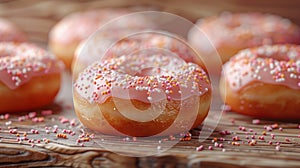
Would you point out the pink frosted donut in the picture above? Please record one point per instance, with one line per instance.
(231, 32)
(137, 43)
(125, 93)
(264, 82)
(10, 32)
(66, 35)
(29, 77)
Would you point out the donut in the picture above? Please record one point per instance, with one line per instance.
(66, 35)
(128, 45)
(142, 95)
(10, 32)
(230, 32)
(29, 77)
(264, 82)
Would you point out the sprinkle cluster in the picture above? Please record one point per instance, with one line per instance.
(239, 136)
(20, 62)
(147, 78)
(67, 129)
(277, 64)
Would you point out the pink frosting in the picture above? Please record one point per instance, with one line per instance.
(277, 64)
(148, 78)
(21, 62)
(79, 26)
(244, 30)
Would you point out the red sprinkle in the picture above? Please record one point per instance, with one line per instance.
(275, 126)
(64, 120)
(226, 132)
(236, 138)
(72, 122)
(261, 137)
(46, 112)
(268, 128)
(200, 148)
(256, 121)
(32, 114)
(272, 136)
(242, 128)
(6, 116)
(38, 119)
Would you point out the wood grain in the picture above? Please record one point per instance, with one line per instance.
(37, 17)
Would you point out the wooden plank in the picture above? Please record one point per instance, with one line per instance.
(42, 15)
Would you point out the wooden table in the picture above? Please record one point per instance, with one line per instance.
(46, 149)
(232, 133)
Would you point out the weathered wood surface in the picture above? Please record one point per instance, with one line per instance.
(96, 152)
(37, 17)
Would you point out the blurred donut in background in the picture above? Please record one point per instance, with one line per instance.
(145, 42)
(231, 32)
(264, 82)
(67, 34)
(10, 32)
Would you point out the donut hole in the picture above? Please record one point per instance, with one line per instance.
(148, 72)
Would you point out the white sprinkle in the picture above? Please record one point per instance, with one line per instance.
(293, 76)
(8, 123)
(200, 148)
